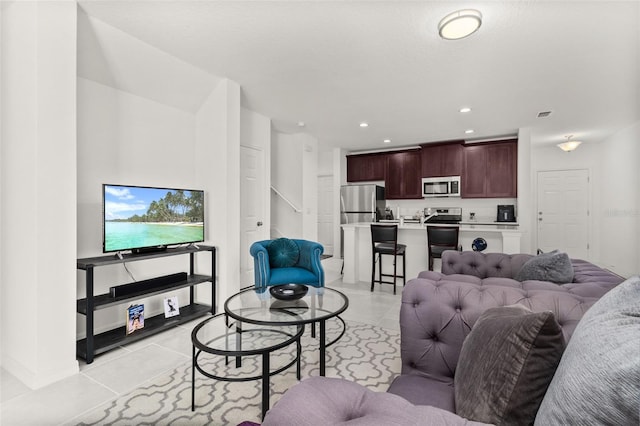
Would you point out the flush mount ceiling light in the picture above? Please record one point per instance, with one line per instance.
(460, 24)
(364, 124)
(387, 141)
(569, 145)
(465, 109)
(469, 131)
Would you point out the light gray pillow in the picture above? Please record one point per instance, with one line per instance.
(598, 379)
(554, 267)
(506, 364)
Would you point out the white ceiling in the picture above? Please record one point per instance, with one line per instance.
(333, 64)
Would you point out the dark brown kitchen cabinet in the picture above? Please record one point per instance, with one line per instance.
(442, 159)
(403, 179)
(366, 167)
(490, 170)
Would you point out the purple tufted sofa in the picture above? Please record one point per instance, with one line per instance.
(438, 311)
(439, 308)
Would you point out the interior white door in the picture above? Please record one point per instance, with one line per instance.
(252, 208)
(563, 212)
(325, 213)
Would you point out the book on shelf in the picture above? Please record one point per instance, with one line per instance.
(171, 306)
(135, 318)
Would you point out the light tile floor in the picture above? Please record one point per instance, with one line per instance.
(123, 369)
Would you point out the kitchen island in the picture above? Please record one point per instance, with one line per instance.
(500, 238)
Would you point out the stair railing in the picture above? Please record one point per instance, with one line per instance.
(286, 200)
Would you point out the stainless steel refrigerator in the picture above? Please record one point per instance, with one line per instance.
(360, 203)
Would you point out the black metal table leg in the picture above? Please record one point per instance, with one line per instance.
(238, 343)
(193, 378)
(265, 384)
(298, 364)
(323, 347)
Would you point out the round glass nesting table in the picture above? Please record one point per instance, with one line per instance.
(219, 336)
(258, 306)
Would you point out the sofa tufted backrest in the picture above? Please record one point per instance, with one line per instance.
(437, 314)
(483, 265)
(488, 265)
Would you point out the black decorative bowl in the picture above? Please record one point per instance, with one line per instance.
(288, 291)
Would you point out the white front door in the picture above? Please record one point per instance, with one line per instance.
(563, 212)
(252, 209)
(325, 213)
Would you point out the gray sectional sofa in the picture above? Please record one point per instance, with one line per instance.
(439, 311)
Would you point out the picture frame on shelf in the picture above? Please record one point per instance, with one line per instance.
(171, 306)
(135, 318)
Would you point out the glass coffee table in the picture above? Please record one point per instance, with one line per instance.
(258, 306)
(219, 336)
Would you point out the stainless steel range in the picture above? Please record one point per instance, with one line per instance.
(443, 215)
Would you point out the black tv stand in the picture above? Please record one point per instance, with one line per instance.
(92, 345)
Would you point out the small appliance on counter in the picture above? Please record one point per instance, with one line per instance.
(388, 214)
(506, 213)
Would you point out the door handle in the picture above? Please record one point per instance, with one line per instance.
(259, 223)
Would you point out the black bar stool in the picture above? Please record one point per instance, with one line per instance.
(384, 240)
(439, 239)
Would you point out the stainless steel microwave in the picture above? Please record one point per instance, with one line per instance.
(448, 186)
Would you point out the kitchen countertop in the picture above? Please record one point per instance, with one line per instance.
(477, 222)
(464, 226)
(357, 245)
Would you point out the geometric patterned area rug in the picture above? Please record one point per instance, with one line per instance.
(366, 354)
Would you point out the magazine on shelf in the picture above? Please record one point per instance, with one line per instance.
(171, 306)
(135, 318)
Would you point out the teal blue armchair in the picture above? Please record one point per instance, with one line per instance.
(305, 268)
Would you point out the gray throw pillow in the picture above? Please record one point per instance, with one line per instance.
(506, 364)
(598, 379)
(554, 267)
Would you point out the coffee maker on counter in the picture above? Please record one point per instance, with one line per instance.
(506, 213)
(388, 214)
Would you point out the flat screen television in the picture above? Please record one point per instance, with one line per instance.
(140, 218)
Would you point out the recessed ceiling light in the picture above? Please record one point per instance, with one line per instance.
(387, 141)
(465, 109)
(460, 24)
(363, 124)
(469, 131)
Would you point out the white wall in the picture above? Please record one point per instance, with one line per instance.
(551, 157)
(51, 185)
(525, 205)
(286, 170)
(310, 185)
(217, 165)
(129, 140)
(294, 173)
(38, 190)
(614, 228)
(619, 206)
